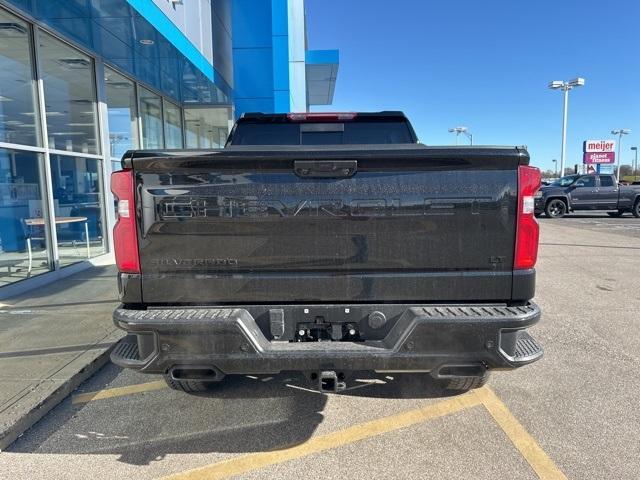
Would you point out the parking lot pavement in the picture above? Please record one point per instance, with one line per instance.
(571, 414)
(626, 225)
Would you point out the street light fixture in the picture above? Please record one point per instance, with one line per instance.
(565, 87)
(459, 130)
(620, 132)
(635, 165)
(555, 167)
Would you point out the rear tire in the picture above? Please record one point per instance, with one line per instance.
(636, 209)
(556, 208)
(466, 383)
(189, 386)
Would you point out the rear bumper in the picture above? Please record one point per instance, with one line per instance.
(425, 338)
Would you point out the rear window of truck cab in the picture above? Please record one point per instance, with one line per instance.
(322, 133)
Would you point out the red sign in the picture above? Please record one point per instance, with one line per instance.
(599, 157)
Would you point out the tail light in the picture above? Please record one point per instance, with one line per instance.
(527, 228)
(125, 238)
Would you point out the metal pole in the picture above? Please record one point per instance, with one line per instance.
(619, 155)
(564, 128)
(635, 166)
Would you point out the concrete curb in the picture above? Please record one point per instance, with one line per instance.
(11, 431)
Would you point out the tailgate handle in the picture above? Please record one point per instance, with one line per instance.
(325, 168)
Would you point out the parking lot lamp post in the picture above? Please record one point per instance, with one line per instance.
(555, 167)
(620, 132)
(459, 130)
(635, 164)
(565, 87)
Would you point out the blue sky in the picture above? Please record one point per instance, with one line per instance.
(486, 64)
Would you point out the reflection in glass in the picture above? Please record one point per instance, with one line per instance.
(121, 105)
(23, 244)
(172, 125)
(151, 119)
(69, 93)
(206, 127)
(77, 194)
(19, 121)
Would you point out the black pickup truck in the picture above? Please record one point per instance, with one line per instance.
(587, 192)
(326, 244)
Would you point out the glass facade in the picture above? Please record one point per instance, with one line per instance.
(66, 119)
(151, 119)
(70, 98)
(206, 127)
(23, 237)
(172, 125)
(18, 98)
(78, 203)
(122, 113)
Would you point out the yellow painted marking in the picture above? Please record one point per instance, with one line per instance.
(240, 465)
(525, 443)
(118, 392)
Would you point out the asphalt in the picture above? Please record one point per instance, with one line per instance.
(572, 414)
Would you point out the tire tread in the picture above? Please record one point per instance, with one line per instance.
(467, 383)
(188, 386)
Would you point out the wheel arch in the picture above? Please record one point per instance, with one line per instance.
(564, 198)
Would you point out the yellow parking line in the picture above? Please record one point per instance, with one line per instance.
(118, 392)
(239, 465)
(525, 443)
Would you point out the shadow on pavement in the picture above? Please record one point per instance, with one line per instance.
(241, 415)
(398, 385)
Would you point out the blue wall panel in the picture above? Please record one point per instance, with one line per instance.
(251, 23)
(261, 56)
(280, 57)
(253, 105)
(253, 70)
(281, 101)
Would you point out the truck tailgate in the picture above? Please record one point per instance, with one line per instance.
(337, 224)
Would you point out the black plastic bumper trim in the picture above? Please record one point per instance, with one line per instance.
(423, 338)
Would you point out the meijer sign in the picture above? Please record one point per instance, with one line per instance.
(599, 146)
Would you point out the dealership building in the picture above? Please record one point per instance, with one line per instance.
(83, 81)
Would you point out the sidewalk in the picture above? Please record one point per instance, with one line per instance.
(51, 340)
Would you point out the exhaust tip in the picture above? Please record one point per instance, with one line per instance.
(204, 373)
(461, 370)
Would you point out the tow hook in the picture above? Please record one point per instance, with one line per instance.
(329, 381)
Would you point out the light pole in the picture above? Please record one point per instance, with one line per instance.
(565, 87)
(555, 167)
(459, 130)
(635, 164)
(620, 132)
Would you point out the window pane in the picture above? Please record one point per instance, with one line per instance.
(23, 245)
(151, 118)
(77, 193)
(69, 93)
(121, 105)
(172, 126)
(19, 121)
(606, 181)
(586, 182)
(206, 127)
